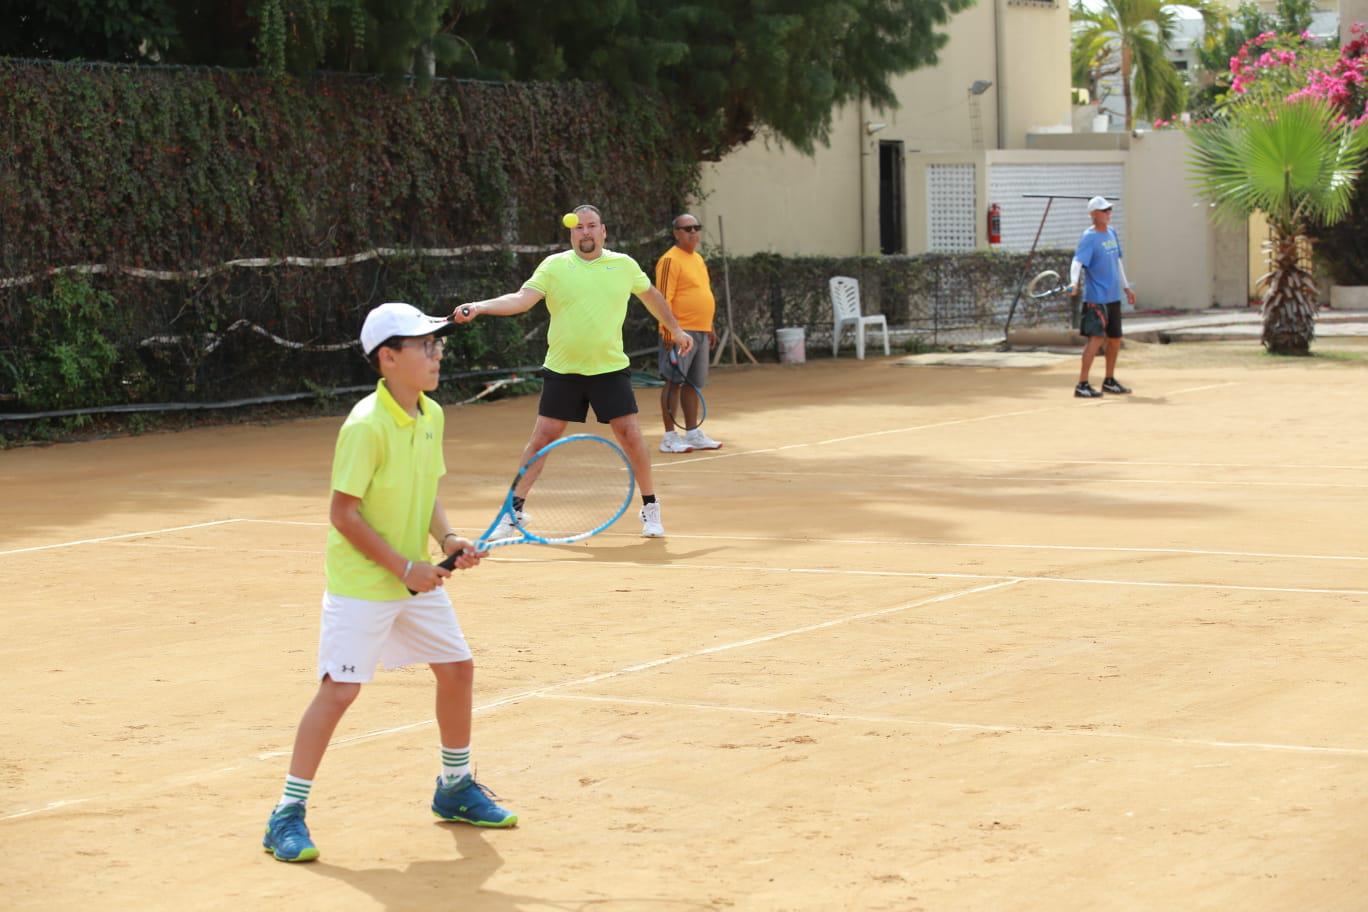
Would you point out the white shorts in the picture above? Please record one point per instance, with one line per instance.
(357, 634)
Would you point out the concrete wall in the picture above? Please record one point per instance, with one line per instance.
(1168, 237)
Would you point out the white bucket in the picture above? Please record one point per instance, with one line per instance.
(792, 349)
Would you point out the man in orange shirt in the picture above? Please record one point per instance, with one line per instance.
(682, 277)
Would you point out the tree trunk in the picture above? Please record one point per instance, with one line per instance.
(1126, 84)
(1289, 300)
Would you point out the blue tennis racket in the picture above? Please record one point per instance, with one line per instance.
(680, 387)
(573, 488)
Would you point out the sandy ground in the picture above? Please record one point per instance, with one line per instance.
(922, 637)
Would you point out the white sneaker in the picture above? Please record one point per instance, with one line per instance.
(507, 528)
(650, 521)
(697, 440)
(673, 443)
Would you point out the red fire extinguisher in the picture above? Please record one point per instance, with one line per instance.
(995, 224)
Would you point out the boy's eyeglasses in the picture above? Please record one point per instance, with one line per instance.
(693, 228)
(431, 347)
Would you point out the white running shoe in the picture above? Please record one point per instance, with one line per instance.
(507, 528)
(673, 443)
(697, 440)
(650, 521)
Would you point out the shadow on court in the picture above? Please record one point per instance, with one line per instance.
(281, 471)
(461, 882)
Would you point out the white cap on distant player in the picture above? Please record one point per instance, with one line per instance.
(1098, 202)
(397, 319)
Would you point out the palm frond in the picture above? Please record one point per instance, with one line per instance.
(1291, 160)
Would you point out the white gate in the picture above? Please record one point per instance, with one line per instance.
(1008, 183)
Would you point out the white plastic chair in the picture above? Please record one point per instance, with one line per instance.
(845, 307)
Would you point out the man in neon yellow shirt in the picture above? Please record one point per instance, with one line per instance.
(586, 290)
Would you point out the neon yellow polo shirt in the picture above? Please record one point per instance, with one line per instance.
(588, 304)
(392, 462)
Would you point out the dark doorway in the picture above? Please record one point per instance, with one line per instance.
(892, 238)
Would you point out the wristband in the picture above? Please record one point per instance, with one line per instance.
(407, 567)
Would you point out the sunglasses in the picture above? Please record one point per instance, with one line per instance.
(693, 228)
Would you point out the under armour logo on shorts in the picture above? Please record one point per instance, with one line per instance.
(349, 669)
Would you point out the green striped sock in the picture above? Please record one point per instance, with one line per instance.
(296, 791)
(455, 762)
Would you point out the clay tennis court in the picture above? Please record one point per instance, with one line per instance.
(933, 638)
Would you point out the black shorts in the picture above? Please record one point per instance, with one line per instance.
(567, 397)
(1091, 322)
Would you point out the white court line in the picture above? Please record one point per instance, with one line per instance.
(865, 542)
(108, 538)
(670, 660)
(1062, 479)
(924, 574)
(695, 460)
(968, 726)
(1180, 465)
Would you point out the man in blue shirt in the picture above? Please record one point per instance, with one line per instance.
(1099, 253)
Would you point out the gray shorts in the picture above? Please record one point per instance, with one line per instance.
(694, 365)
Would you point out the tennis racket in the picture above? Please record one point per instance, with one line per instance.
(679, 387)
(1047, 285)
(583, 484)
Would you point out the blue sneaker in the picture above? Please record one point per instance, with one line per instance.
(287, 837)
(466, 801)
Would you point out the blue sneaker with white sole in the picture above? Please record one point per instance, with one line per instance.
(287, 836)
(466, 801)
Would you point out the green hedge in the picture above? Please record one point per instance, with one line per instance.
(181, 169)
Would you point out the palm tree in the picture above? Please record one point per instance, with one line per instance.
(1295, 161)
(1131, 38)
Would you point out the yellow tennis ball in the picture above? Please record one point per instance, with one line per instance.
(570, 220)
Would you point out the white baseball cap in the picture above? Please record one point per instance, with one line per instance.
(397, 319)
(1098, 202)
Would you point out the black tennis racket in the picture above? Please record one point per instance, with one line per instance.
(680, 394)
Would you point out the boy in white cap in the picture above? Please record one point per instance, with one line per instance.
(1099, 252)
(384, 600)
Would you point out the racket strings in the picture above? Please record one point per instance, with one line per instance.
(580, 487)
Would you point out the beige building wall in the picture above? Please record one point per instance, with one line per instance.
(1351, 11)
(1034, 43)
(774, 199)
(1168, 236)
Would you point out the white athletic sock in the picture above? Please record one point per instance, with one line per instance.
(296, 791)
(455, 763)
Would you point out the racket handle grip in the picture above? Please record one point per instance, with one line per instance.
(449, 563)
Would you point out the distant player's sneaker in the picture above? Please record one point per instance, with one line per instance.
(650, 521)
(287, 836)
(1085, 390)
(507, 528)
(697, 440)
(673, 443)
(1110, 385)
(466, 801)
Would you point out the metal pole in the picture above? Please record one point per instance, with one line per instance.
(726, 286)
(1026, 270)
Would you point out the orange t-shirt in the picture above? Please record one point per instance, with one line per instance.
(683, 279)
